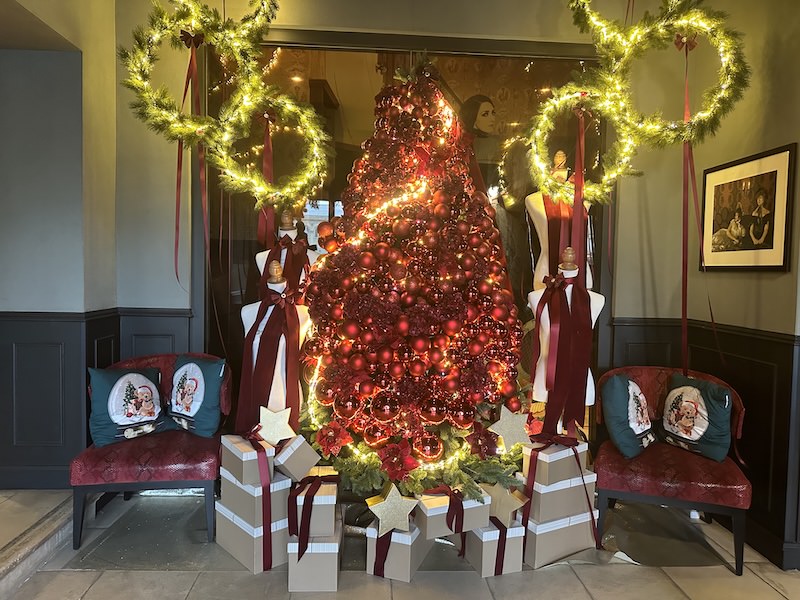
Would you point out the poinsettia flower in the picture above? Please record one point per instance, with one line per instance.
(397, 461)
(332, 437)
(482, 441)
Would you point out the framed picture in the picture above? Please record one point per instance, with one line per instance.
(747, 212)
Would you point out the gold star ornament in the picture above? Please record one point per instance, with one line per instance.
(504, 502)
(511, 428)
(392, 509)
(275, 425)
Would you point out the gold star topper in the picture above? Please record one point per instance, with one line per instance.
(392, 509)
(275, 425)
(504, 502)
(511, 427)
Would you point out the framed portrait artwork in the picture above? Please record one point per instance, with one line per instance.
(747, 212)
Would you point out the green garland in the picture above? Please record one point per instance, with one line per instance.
(240, 44)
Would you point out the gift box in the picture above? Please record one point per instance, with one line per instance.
(318, 569)
(483, 545)
(555, 463)
(296, 458)
(407, 550)
(245, 500)
(246, 543)
(561, 499)
(323, 511)
(547, 542)
(430, 515)
(239, 458)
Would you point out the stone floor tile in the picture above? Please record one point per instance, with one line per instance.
(785, 582)
(557, 581)
(66, 585)
(627, 582)
(353, 585)
(720, 583)
(142, 585)
(442, 585)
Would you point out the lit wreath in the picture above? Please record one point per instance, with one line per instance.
(239, 42)
(680, 21)
(611, 104)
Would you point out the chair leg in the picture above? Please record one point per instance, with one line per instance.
(127, 496)
(78, 507)
(739, 526)
(603, 502)
(209, 494)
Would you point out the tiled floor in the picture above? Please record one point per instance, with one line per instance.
(119, 559)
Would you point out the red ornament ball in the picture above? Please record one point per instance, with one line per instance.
(513, 404)
(462, 415)
(385, 407)
(420, 344)
(451, 327)
(347, 406)
(325, 393)
(397, 369)
(324, 229)
(433, 410)
(366, 388)
(367, 260)
(385, 355)
(428, 447)
(375, 436)
(417, 367)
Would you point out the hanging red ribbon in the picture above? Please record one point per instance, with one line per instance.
(311, 485)
(192, 42)
(382, 544)
(455, 507)
(266, 496)
(500, 556)
(266, 216)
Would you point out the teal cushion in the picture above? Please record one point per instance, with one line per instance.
(125, 404)
(194, 402)
(625, 415)
(697, 417)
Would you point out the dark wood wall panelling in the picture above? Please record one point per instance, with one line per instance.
(762, 367)
(43, 381)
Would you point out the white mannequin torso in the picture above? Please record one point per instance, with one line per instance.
(534, 204)
(596, 304)
(277, 395)
(261, 257)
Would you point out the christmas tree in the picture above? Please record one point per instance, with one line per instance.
(129, 400)
(415, 339)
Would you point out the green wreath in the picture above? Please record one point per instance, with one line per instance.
(193, 23)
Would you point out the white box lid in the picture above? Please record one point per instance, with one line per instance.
(548, 526)
(319, 545)
(326, 494)
(279, 482)
(400, 537)
(588, 477)
(437, 504)
(491, 533)
(289, 448)
(554, 452)
(242, 448)
(245, 526)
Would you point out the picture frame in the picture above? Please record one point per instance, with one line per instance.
(747, 212)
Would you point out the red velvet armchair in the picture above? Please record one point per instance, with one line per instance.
(167, 460)
(667, 475)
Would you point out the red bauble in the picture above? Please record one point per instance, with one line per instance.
(417, 367)
(474, 240)
(442, 211)
(397, 271)
(381, 250)
(436, 355)
(325, 393)
(366, 388)
(385, 355)
(475, 347)
(451, 327)
(324, 229)
(433, 410)
(508, 388)
(357, 362)
(485, 287)
(402, 325)
(513, 404)
(336, 312)
(499, 313)
(404, 352)
(367, 337)
(366, 260)
(476, 396)
(349, 329)
(493, 367)
(428, 447)
(441, 341)
(401, 228)
(473, 312)
(347, 283)
(462, 227)
(462, 415)
(483, 249)
(385, 407)
(451, 383)
(375, 436)
(420, 344)
(346, 407)
(344, 349)
(467, 261)
(407, 300)
(397, 369)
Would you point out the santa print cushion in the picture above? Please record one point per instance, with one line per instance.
(125, 404)
(194, 402)
(625, 415)
(697, 417)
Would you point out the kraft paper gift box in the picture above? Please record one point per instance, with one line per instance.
(245, 500)
(296, 458)
(406, 552)
(246, 543)
(323, 512)
(547, 542)
(482, 546)
(239, 458)
(561, 499)
(430, 515)
(555, 463)
(318, 569)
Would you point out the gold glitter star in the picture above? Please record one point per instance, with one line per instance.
(392, 509)
(275, 425)
(511, 428)
(504, 502)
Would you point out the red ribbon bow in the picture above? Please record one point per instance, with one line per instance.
(455, 508)
(311, 485)
(555, 299)
(192, 40)
(681, 41)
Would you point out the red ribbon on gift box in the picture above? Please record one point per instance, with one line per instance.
(549, 440)
(266, 498)
(500, 557)
(455, 512)
(311, 485)
(382, 545)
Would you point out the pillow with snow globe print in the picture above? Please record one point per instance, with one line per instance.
(626, 417)
(125, 404)
(194, 402)
(697, 417)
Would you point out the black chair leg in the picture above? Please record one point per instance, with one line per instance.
(739, 526)
(603, 502)
(78, 506)
(209, 494)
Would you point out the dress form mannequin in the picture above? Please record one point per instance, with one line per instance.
(287, 227)
(276, 399)
(560, 172)
(596, 302)
(538, 213)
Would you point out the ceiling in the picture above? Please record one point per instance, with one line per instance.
(21, 30)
